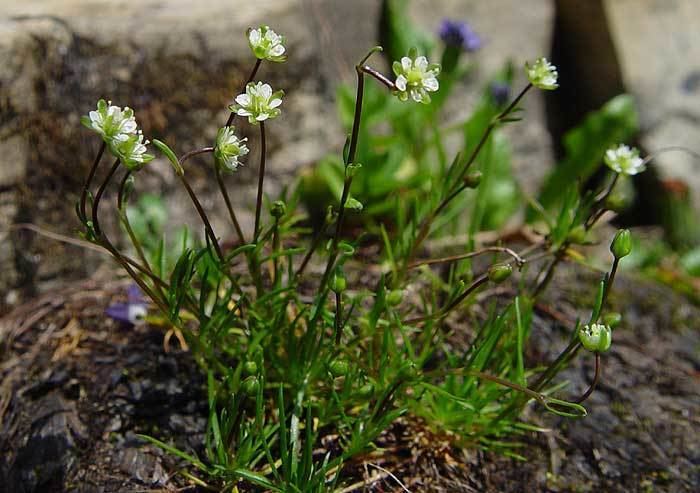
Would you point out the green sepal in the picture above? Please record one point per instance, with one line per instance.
(163, 147)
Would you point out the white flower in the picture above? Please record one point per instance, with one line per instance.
(267, 44)
(415, 78)
(131, 150)
(229, 148)
(625, 160)
(595, 337)
(110, 121)
(542, 74)
(258, 102)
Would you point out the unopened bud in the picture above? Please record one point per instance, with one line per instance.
(338, 368)
(279, 209)
(394, 297)
(621, 245)
(500, 272)
(250, 385)
(250, 367)
(338, 283)
(472, 180)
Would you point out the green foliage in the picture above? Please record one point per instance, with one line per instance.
(305, 367)
(616, 121)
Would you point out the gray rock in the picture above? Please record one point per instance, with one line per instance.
(179, 64)
(51, 448)
(658, 43)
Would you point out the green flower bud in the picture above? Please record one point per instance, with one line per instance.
(279, 209)
(595, 337)
(338, 368)
(408, 372)
(338, 283)
(250, 385)
(500, 272)
(621, 245)
(366, 391)
(250, 367)
(394, 297)
(472, 180)
(577, 235)
(612, 319)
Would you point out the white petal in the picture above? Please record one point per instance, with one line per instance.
(416, 95)
(431, 84)
(400, 83)
(243, 112)
(275, 103)
(421, 63)
(254, 37)
(262, 117)
(243, 99)
(406, 63)
(277, 50)
(266, 91)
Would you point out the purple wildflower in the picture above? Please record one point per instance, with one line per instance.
(500, 92)
(459, 35)
(130, 312)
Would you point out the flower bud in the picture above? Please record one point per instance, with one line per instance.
(472, 180)
(408, 371)
(250, 367)
(621, 245)
(338, 283)
(499, 272)
(338, 368)
(366, 391)
(279, 209)
(250, 385)
(394, 297)
(595, 337)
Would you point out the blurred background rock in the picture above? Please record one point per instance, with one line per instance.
(178, 63)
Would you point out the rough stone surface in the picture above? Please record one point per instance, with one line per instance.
(178, 64)
(659, 50)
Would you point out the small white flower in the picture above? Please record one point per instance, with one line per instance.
(229, 148)
(415, 77)
(258, 102)
(542, 74)
(266, 44)
(131, 150)
(624, 160)
(110, 121)
(595, 337)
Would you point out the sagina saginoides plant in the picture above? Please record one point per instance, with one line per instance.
(307, 367)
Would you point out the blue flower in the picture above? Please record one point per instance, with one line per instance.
(459, 35)
(130, 312)
(500, 92)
